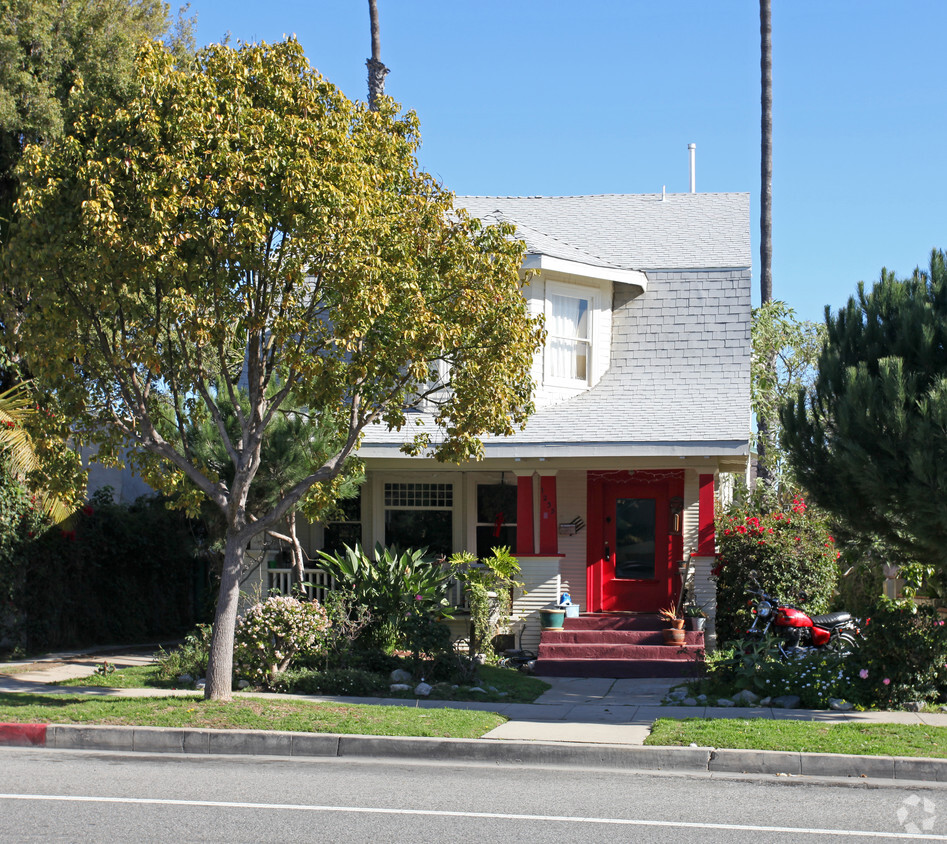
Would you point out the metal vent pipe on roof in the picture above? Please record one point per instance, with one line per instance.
(692, 148)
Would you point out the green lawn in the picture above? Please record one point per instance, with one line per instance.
(249, 714)
(511, 686)
(803, 736)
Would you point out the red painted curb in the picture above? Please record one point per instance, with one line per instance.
(23, 735)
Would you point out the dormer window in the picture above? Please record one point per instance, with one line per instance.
(569, 339)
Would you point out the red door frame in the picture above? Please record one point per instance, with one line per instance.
(665, 485)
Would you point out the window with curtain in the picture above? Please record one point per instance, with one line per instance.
(569, 343)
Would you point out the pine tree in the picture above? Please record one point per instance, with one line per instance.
(869, 439)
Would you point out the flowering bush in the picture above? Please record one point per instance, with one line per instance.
(903, 656)
(758, 666)
(273, 633)
(791, 552)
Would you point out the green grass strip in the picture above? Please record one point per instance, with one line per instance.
(862, 739)
(248, 714)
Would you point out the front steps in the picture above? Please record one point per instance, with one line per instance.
(617, 645)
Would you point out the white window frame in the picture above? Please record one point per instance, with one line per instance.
(572, 291)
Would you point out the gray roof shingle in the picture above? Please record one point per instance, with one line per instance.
(629, 231)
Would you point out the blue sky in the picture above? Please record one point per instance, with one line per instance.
(527, 97)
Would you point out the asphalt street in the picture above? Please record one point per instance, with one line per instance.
(91, 796)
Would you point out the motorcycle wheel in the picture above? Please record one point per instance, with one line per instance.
(843, 643)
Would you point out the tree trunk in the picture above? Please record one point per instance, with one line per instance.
(376, 70)
(219, 685)
(299, 558)
(766, 152)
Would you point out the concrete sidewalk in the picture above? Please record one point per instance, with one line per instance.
(614, 716)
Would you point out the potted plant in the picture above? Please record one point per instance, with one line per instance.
(673, 635)
(696, 617)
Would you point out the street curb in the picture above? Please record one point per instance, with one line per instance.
(22, 735)
(495, 751)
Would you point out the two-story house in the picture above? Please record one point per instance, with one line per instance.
(643, 402)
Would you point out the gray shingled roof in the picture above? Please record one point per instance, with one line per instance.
(630, 231)
(679, 377)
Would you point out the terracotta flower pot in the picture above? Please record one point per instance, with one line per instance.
(673, 636)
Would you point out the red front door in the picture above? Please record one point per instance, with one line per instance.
(633, 569)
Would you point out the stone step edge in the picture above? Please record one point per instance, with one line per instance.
(258, 743)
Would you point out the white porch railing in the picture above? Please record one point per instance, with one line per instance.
(316, 582)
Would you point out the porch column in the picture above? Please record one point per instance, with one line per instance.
(549, 514)
(705, 535)
(524, 513)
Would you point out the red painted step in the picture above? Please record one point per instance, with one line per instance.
(617, 645)
(614, 637)
(593, 651)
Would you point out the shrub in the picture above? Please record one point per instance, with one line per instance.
(903, 656)
(489, 584)
(346, 621)
(791, 553)
(191, 657)
(351, 682)
(394, 586)
(272, 633)
(757, 665)
(113, 573)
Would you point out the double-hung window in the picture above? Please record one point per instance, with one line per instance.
(569, 335)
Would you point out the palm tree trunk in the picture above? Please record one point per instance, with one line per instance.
(766, 152)
(376, 70)
(766, 201)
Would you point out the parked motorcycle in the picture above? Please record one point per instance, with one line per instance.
(798, 632)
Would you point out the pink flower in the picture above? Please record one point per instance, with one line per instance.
(863, 674)
(886, 681)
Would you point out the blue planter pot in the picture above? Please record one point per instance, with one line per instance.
(552, 619)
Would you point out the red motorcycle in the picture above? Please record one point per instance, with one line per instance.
(800, 633)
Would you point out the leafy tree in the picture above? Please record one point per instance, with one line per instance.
(869, 438)
(57, 57)
(294, 442)
(239, 222)
(785, 351)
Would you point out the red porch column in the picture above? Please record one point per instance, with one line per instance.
(524, 514)
(549, 515)
(705, 534)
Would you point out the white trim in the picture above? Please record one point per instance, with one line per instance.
(635, 278)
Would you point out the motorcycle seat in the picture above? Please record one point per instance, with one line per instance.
(832, 619)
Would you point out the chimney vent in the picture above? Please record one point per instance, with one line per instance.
(692, 148)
